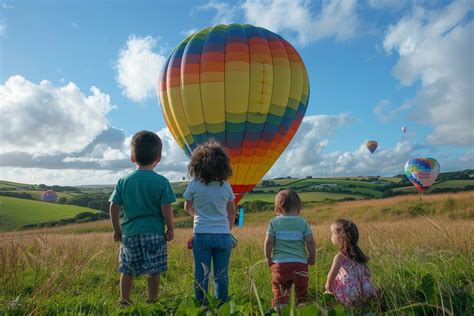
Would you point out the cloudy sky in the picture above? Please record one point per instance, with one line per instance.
(78, 78)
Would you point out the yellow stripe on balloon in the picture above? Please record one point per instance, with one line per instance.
(212, 95)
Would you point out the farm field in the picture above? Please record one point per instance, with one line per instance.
(38, 195)
(7, 185)
(305, 196)
(15, 213)
(421, 251)
(453, 184)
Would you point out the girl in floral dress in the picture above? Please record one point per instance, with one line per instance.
(349, 279)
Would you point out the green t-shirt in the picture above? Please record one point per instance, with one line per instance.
(289, 233)
(142, 193)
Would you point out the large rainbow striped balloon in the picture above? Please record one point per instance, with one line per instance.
(242, 85)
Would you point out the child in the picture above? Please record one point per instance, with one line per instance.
(285, 250)
(349, 279)
(209, 198)
(146, 198)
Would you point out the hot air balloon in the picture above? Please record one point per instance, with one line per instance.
(371, 145)
(241, 85)
(404, 129)
(49, 196)
(422, 172)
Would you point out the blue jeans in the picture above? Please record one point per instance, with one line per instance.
(215, 248)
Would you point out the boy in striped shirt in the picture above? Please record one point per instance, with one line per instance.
(289, 248)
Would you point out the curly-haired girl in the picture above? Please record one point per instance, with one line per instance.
(209, 198)
(349, 279)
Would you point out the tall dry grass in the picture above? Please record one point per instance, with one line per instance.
(72, 270)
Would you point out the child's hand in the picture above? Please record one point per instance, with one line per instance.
(328, 292)
(311, 261)
(117, 235)
(269, 262)
(169, 235)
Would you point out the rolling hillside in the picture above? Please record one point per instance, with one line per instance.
(14, 213)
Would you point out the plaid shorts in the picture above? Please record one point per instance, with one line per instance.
(143, 254)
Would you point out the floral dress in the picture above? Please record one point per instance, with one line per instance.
(353, 284)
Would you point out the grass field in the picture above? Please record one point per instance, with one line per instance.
(38, 195)
(7, 185)
(305, 196)
(15, 213)
(422, 265)
(453, 184)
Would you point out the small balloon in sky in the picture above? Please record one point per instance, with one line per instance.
(49, 196)
(371, 145)
(422, 172)
(404, 129)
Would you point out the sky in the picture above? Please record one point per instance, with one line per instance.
(78, 79)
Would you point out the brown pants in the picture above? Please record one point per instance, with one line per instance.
(283, 276)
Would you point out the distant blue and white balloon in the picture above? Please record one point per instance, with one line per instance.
(422, 172)
(49, 196)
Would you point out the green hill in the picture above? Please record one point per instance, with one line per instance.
(14, 213)
(8, 185)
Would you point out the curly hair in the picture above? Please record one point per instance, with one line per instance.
(209, 162)
(348, 235)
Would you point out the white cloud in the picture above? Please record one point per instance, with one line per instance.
(307, 153)
(3, 28)
(225, 12)
(138, 68)
(436, 48)
(60, 176)
(308, 144)
(45, 120)
(101, 161)
(337, 18)
(393, 5)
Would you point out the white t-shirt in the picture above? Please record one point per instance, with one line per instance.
(210, 206)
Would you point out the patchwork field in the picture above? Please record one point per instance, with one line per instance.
(305, 196)
(421, 249)
(14, 213)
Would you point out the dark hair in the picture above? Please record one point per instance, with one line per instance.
(209, 162)
(348, 235)
(288, 200)
(146, 146)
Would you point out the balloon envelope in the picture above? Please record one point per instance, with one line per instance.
(422, 172)
(243, 86)
(49, 196)
(371, 145)
(404, 129)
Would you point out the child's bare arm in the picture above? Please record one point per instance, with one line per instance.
(188, 207)
(167, 211)
(311, 247)
(336, 265)
(231, 213)
(268, 248)
(114, 212)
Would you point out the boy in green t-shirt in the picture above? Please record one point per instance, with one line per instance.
(146, 198)
(289, 248)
